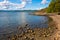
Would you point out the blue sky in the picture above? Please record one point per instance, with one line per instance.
(32, 4)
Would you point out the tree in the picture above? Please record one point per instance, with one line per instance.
(57, 6)
(54, 6)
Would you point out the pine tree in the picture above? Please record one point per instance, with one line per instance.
(57, 6)
(51, 6)
(54, 6)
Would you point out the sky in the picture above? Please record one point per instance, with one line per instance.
(28, 4)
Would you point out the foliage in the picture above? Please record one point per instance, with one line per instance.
(54, 6)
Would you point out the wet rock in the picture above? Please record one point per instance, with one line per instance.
(20, 28)
(26, 25)
(28, 28)
(15, 36)
(8, 36)
(27, 33)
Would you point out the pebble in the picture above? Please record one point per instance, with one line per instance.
(13, 38)
(20, 35)
(28, 28)
(26, 25)
(32, 39)
(25, 37)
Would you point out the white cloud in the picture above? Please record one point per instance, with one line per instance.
(43, 1)
(28, 1)
(6, 5)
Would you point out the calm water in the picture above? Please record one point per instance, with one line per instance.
(10, 20)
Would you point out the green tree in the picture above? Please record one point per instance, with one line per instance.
(57, 6)
(54, 6)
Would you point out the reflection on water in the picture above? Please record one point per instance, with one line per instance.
(22, 17)
(10, 20)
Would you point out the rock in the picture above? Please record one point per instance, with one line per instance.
(48, 35)
(13, 38)
(26, 31)
(26, 38)
(20, 36)
(8, 36)
(28, 28)
(31, 38)
(45, 36)
(56, 28)
(49, 28)
(20, 28)
(26, 25)
(33, 33)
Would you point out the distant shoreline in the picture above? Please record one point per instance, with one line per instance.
(17, 10)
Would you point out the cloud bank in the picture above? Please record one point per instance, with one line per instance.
(6, 5)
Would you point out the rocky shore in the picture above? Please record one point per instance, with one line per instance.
(27, 33)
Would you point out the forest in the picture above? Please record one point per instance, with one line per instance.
(54, 6)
